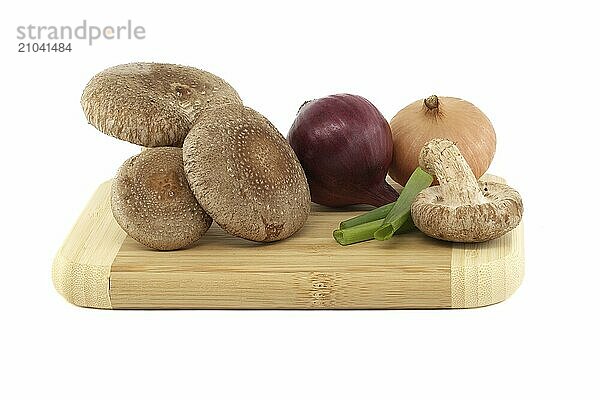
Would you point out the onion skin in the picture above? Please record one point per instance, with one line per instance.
(441, 117)
(345, 147)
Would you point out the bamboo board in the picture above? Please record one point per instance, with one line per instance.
(99, 266)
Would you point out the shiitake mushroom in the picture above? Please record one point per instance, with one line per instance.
(239, 167)
(461, 208)
(245, 174)
(152, 104)
(152, 201)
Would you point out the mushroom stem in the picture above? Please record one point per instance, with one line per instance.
(458, 184)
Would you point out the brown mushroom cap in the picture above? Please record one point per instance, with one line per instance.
(152, 201)
(500, 212)
(461, 209)
(245, 174)
(152, 104)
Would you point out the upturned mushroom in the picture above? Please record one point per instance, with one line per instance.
(245, 174)
(152, 201)
(460, 208)
(152, 104)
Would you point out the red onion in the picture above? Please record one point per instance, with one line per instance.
(345, 147)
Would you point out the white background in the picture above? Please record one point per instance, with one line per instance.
(532, 68)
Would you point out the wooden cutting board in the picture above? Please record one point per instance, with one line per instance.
(100, 266)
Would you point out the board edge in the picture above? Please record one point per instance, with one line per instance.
(81, 267)
(82, 285)
(475, 284)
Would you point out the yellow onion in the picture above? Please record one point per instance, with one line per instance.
(441, 117)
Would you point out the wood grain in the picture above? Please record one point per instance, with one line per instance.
(307, 271)
(487, 273)
(81, 268)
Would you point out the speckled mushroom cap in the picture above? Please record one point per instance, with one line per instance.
(245, 174)
(461, 209)
(152, 201)
(152, 104)
(500, 212)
